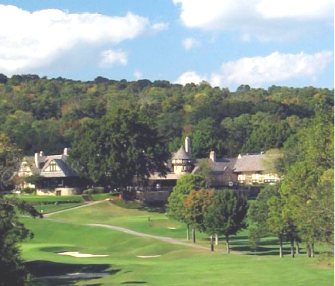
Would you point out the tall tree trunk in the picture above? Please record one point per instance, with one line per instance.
(280, 246)
(188, 232)
(193, 234)
(297, 248)
(227, 242)
(292, 247)
(212, 243)
(312, 250)
(216, 239)
(308, 250)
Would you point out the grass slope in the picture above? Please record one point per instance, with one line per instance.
(178, 265)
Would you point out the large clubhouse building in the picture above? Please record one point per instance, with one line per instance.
(246, 169)
(58, 178)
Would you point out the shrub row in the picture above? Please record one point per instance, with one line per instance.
(56, 202)
(95, 190)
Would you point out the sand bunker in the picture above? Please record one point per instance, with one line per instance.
(78, 254)
(148, 256)
(171, 228)
(74, 276)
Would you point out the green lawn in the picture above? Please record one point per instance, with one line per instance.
(177, 265)
(34, 199)
(50, 208)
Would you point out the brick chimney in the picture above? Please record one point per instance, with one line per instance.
(39, 157)
(37, 161)
(188, 146)
(212, 156)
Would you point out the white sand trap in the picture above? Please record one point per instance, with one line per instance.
(171, 228)
(148, 256)
(78, 254)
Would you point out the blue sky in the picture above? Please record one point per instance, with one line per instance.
(225, 42)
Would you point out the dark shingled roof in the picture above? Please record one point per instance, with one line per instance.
(252, 162)
(60, 160)
(219, 166)
(30, 160)
(181, 154)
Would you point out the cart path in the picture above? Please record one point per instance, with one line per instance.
(70, 209)
(132, 232)
(162, 238)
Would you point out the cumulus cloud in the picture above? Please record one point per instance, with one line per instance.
(190, 43)
(264, 19)
(33, 40)
(160, 27)
(138, 75)
(271, 69)
(190, 77)
(306, 10)
(111, 57)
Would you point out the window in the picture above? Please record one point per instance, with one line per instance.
(52, 166)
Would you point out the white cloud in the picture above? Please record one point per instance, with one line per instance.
(273, 68)
(306, 9)
(111, 57)
(190, 77)
(138, 75)
(264, 19)
(39, 39)
(190, 43)
(160, 27)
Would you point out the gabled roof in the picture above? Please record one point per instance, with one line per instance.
(30, 160)
(252, 163)
(60, 160)
(181, 155)
(219, 166)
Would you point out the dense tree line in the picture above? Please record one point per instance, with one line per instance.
(120, 129)
(301, 208)
(45, 114)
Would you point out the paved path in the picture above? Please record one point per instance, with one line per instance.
(162, 238)
(125, 230)
(70, 209)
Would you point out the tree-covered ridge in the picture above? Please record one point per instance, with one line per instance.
(44, 114)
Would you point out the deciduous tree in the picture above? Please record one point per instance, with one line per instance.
(226, 215)
(176, 201)
(196, 205)
(118, 147)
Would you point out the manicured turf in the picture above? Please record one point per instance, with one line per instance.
(50, 208)
(37, 199)
(178, 265)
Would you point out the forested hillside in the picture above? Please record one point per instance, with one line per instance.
(44, 114)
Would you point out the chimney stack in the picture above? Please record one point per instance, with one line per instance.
(188, 146)
(37, 161)
(212, 156)
(39, 158)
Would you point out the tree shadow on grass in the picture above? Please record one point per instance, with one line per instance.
(59, 249)
(53, 273)
(134, 282)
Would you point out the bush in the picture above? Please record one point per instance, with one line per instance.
(56, 202)
(95, 190)
(29, 190)
(98, 190)
(88, 192)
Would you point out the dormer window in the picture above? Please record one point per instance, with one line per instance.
(52, 166)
